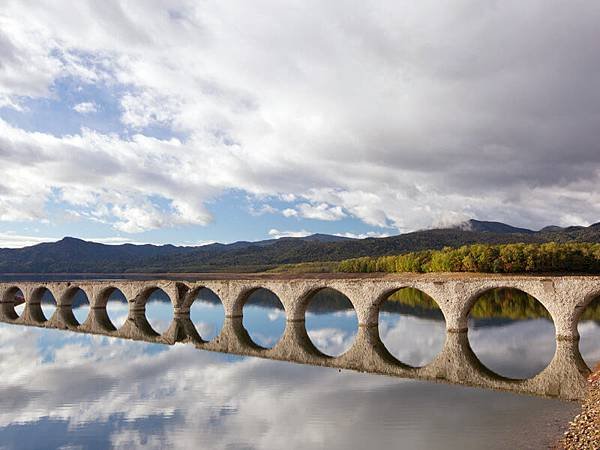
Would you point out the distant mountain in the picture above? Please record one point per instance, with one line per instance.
(71, 255)
(494, 227)
(551, 228)
(318, 237)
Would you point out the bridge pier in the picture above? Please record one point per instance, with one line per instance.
(98, 322)
(369, 354)
(137, 327)
(295, 344)
(182, 329)
(63, 318)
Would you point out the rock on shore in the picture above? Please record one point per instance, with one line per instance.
(584, 430)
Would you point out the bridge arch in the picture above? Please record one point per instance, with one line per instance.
(263, 316)
(74, 305)
(331, 319)
(511, 332)
(476, 294)
(156, 306)
(235, 306)
(302, 300)
(586, 330)
(67, 296)
(10, 301)
(41, 294)
(207, 320)
(580, 307)
(191, 296)
(143, 295)
(411, 325)
(176, 291)
(100, 300)
(100, 307)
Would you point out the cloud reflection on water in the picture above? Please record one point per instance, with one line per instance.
(589, 342)
(412, 340)
(99, 391)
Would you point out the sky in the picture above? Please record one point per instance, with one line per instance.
(191, 122)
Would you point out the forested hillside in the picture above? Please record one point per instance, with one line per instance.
(77, 256)
(506, 258)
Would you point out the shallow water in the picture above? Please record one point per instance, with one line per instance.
(69, 390)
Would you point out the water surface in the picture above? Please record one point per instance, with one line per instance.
(64, 389)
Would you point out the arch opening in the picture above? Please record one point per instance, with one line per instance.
(14, 302)
(588, 328)
(80, 305)
(263, 317)
(47, 302)
(511, 333)
(207, 314)
(117, 308)
(159, 310)
(411, 326)
(331, 322)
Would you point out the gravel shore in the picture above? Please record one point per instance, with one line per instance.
(584, 429)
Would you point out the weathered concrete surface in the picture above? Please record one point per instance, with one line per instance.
(564, 297)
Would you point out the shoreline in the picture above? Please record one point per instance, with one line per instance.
(201, 276)
(584, 429)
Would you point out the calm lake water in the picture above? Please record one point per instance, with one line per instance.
(69, 390)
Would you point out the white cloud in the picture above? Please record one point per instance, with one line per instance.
(118, 240)
(321, 211)
(369, 234)
(314, 105)
(262, 209)
(102, 176)
(14, 240)
(27, 68)
(86, 107)
(287, 197)
(331, 341)
(289, 212)
(274, 233)
(148, 108)
(452, 219)
(203, 243)
(513, 358)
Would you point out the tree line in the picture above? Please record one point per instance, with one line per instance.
(503, 258)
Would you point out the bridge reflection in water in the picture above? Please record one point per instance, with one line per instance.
(563, 297)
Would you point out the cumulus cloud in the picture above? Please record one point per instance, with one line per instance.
(275, 233)
(102, 176)
(15, 240)
(331, 341)
(414, 112)
(86, 107)
(321, 211)
(368, 234)
(289, 212)
(513, 359)
(12, 239)
(147, 108)
(262, 209)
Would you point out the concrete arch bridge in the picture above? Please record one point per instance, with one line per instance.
(565, 298)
